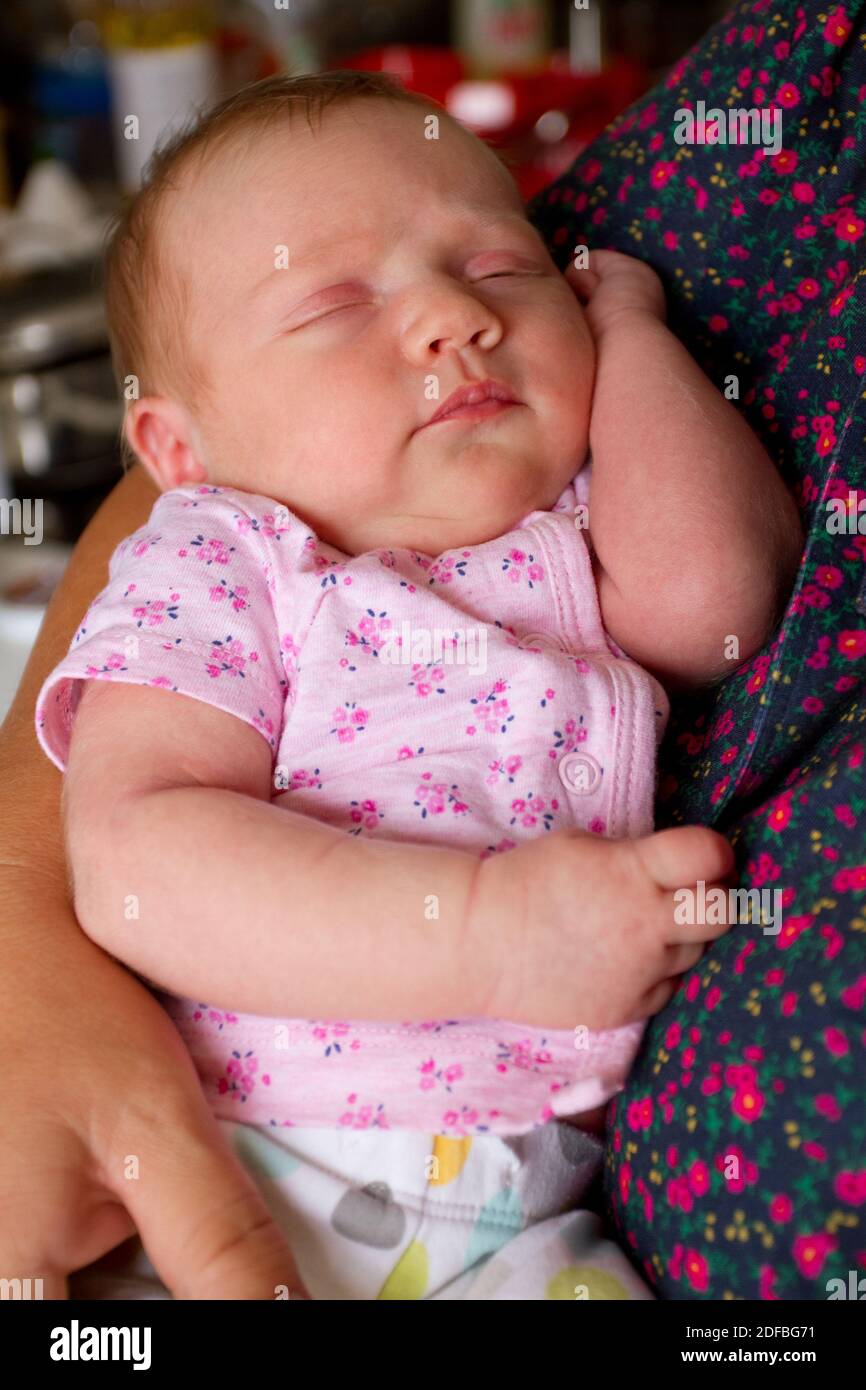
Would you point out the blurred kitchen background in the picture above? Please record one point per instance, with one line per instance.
(537, 78)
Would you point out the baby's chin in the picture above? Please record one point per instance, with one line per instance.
(438, 532)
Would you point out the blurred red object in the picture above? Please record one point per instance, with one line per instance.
(541, 122)
(421, 68)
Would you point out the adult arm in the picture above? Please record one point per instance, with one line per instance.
(95, 1069)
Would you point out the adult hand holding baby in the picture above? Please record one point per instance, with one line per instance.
(96, 1075)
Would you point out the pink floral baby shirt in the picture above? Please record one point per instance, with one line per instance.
(473, 699)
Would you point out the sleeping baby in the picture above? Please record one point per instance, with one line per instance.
(439, 529)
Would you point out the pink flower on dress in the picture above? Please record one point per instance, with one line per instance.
(852, 643)
(811, 1251)
(697, 1271)
(785, 162)
(851, 1187)
(662, 173)
(698, 1178)
(748, 1103)
(838, 27)
(781, 1208)
(835, 1042)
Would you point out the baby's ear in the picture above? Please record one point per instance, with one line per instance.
(166, 441)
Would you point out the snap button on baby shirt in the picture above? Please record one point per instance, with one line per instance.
(541, 639)
(579, 773)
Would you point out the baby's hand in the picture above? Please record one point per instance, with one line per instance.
(615, 285)
(586, 927)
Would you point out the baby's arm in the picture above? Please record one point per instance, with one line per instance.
(184, 870)
(696, 537)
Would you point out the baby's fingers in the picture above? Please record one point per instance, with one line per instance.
(583, 282)
(656, 999)
(679, 959)
(689, 913)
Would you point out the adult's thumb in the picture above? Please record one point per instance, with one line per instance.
(203, 1223)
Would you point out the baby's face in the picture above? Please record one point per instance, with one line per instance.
(409, 270)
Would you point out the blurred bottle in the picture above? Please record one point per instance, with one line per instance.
(586, 38)
(163, 64)
(292, 31)
(67, 92)
(502, 36)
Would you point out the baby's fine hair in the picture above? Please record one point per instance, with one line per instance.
(145, 297)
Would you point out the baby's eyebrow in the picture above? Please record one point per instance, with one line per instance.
(306, 256)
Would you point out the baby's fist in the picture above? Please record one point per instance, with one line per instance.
(614, 286)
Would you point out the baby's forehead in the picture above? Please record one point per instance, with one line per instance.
(350, 158)
(357, 172)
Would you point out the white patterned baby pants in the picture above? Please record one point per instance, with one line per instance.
(379, 1214)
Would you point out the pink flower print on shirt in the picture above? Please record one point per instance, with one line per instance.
(333, 567)
(212, 552)
(205, 490)
(522, 1055)
(153, 611)
(372, 632)
(503, 767)
(573, 733)
(492, 708)
(302, 778)
(466, 1121)
(530, 810)
(521, 566)
(265, 725)
(298, 778)
(364, 815)
(349, 721)
(331, 1033)
(115, 662)
(443, 570)
(502, 848)
(272, 524)
(216, 1017)
(427, 679)
(141, 547)
(289, 652)
(227, 657)
(431, 1075)
(240, 1076)
(365, 1117)
(407, 752)
(433, 797)
(238, 596)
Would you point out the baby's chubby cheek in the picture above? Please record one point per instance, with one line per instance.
(568, 375)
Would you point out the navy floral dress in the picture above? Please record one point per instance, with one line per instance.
(736, 1158)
